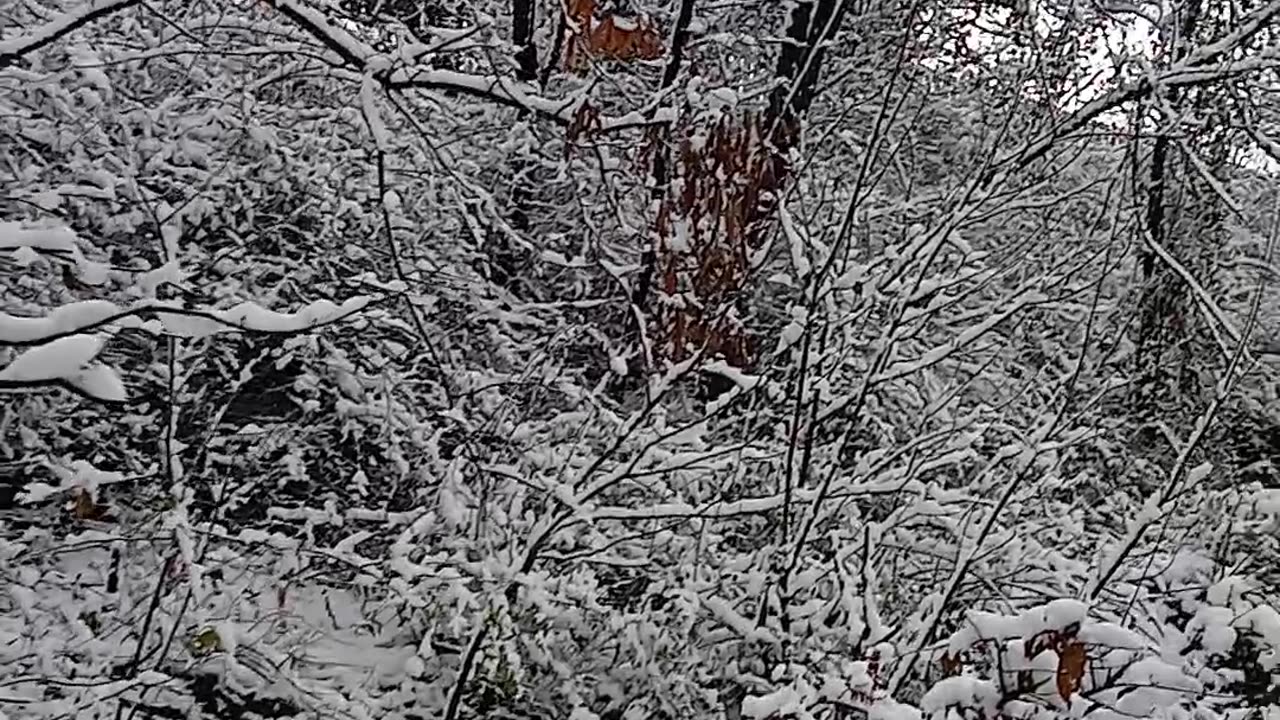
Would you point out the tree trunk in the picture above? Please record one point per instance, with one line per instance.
(522, 22)
(503, 260)
(812, 24)
(1183, 216)
(661, 175)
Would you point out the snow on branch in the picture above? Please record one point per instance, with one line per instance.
(88, 315)
(65, 348)
(353, 52)
(16, 236)
(982, 626)
(356, 54)
(1250, 25)
(966, 338)
(501, 89)
(504, 90)
(12, 49)
(323, 28)
(65, 362)
(1193, 70)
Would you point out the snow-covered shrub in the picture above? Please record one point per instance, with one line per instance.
(325, 391)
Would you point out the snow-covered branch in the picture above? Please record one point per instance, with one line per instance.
(504, 90)
(90, 315)
(1194, 69)
(13, 49)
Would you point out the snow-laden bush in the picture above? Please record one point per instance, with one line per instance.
(325, 394)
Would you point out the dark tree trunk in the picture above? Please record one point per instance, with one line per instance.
(662, 150)
(812, 24)
(791, 60)
(504, 263)
(822, 28)
(1155, 204)
(678, 40)
(1183, 216)
(522, 22)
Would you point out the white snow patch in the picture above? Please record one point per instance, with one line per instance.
(1228, 591)
(101, 382)
(15, 235)
(979, 625)
(888, 709)
(780, 703)
(59, 359)
(961, 692)
(1268, 502)
(1263, 620)
(65, 319)
(88, 314)
(732, 374)
(725, 613)
(1110, 635)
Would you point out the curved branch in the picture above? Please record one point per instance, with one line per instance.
(1192, 70)
(219, 317)
(18, 385)
(356, 54)
(352, 51)
(12, 50)
(504, 90)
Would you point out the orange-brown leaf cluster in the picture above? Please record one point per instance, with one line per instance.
(728, 176)
(611, 37)
(616, 38)
(1073, 656)
(1071, 661)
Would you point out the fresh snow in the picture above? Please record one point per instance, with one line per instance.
(961, 693)
(978, 625)
(58, 359)
(89, 314)
(15, 235)
(484, 494)
(101, 382)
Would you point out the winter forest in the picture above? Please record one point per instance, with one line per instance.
(640, 359)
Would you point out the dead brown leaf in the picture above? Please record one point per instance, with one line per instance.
(1071, 661)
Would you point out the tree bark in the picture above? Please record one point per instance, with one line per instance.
(1155, 203)
(503, 258)
(522, 22)
(661, 175)
(812, 24)
(1183, 216)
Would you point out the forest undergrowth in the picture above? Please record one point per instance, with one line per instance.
(616, 361)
